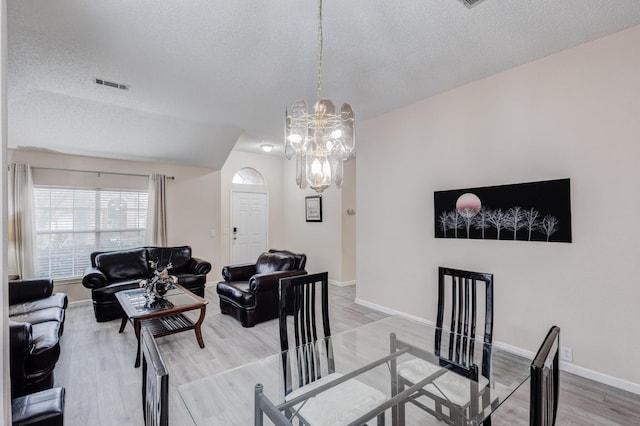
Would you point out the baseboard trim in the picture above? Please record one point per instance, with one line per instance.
(342, 283)
(600, 377)
(564, 366)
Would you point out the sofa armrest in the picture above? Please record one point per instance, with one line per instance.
(199, 266)
(25, 290)
(20, 346)
(238, 272)
(260, 283)
(94, 278)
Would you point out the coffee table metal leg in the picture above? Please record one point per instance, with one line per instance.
(123, 323)
(197, 325)
(136, 327)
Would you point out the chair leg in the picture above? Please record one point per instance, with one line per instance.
(397, 411)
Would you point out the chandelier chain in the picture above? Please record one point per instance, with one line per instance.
(320, 43)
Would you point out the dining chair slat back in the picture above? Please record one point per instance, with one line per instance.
(313, 358)
(545, 381)
(155, 382)
(462, 310)
(463, 297)
(301, 292)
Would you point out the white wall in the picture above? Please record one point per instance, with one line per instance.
(573, 114)
(192, 199)
(320, 241)
(349, 223)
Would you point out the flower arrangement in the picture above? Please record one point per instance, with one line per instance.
(158, 285)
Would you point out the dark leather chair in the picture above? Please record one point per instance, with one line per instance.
(32, 358)
(34, 401)
(249, 292)
(114, 271)
(36, 319)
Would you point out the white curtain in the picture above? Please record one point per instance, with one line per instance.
(21, 222)
(157, 212)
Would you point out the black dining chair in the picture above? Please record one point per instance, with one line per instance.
(545, 381)
(463, 296)
(310, 362)
(155, 382)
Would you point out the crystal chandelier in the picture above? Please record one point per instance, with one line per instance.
(320, 139)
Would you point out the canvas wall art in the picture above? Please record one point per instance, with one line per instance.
(534, 211)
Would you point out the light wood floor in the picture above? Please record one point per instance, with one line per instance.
(103, 387)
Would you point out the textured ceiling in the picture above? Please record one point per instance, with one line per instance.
(208, 75)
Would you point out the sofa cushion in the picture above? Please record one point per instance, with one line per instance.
(41, 315)
(42, 408)
(123, 264)
(56, 300)
(271, 262)
(108, 293)
(178, 256)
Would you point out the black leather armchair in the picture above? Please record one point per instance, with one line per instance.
(34, 401)
(32, 358)
(36, 317)
(113, 271)
(250, 292)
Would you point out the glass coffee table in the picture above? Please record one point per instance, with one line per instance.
(163, 316)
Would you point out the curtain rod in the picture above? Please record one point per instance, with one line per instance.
(93, 171)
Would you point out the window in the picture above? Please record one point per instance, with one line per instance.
(247, 176)
(72, 223)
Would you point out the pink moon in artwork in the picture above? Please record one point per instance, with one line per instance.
(468, 204)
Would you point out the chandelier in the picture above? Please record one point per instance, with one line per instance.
(320, 139)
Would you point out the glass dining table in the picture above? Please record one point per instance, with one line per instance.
(371, 355)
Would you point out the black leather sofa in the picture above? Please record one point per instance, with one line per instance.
(250, 291)
(113, 271)
(36, 318)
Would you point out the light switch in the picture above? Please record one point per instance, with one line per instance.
(212, 233)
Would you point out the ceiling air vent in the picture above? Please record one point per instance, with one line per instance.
(470, 3)
(111, 84)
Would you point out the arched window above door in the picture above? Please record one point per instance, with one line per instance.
(247, 176)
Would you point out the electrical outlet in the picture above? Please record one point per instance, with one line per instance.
(566, 354)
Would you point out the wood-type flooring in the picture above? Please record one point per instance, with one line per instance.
(103, 387)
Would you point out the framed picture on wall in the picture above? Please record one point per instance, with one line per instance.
(313, 208)
(531, 211)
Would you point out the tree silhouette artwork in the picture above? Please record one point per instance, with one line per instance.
(538, 211)
(497, 219)
(549, 226)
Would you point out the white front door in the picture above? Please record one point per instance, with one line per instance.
(249, 224)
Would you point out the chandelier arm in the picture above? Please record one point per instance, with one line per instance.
(320, 43)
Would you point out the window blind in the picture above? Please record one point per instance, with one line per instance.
(72, 223)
